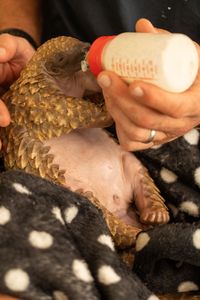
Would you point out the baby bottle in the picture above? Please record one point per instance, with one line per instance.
(169, 61)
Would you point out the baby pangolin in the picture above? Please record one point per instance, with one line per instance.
(57, 114)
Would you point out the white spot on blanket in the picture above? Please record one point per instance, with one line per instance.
(16, 280)
(105, 239)
(168, 176)
(81, 271)
(4, 215)
(57, 213)
(107, 275)
(70, 213)
(192, 137)
(40, 239)
(197, 176)
(190, 207)
(142, 241)
(21, 189)
(196, 238)
(153, 297)
(187, 286)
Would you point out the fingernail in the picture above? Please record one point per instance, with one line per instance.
(137, 92)
(2, 51)
(104, 81)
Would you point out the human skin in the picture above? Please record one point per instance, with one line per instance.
(139, 107)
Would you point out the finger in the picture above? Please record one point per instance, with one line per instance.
(8, 47)
(144, 25)
(175, 105)
(14, 47)
(147, 117)
(130, 130)
(128, 144)
(4, 115)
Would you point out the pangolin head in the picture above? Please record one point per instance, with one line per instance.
(62, 55)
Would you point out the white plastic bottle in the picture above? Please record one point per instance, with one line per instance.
(169, 61)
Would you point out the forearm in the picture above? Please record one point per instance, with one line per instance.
(22, 14)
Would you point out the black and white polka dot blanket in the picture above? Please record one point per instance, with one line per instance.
(54, 244)
(168, 257)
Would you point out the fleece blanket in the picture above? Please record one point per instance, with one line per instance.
(54, 244)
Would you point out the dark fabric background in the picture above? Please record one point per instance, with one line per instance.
(89, 19)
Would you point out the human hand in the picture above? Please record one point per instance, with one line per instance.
(14, 54)
(141, 107)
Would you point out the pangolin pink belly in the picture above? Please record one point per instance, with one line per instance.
(94, 162)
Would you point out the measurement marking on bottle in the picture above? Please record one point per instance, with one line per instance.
(126, 67)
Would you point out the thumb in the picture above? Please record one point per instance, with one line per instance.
(111, 83)
(144, 25)
(8, 47)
